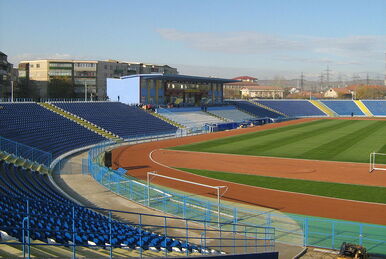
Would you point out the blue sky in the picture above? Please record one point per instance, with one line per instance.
(224, 38)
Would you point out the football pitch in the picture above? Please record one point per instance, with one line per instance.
(324, 139)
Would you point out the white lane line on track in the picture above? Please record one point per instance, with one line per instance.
(263, 188)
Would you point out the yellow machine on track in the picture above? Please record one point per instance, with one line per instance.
(352, 251)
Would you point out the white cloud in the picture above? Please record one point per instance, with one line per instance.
(238, 42)
(349, 50)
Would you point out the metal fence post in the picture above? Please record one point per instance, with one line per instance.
(165, 235)
(184, 208)
(28, 232)
(360, 234)
(333, 235)
(256, 241)
(245, 239)
(235, 215)
(140, 235)
(220, 237)
(305, 227)
(73, 233)
(234, 238)
(187, 236)
(110, 235)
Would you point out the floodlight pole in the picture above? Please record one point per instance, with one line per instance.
(11, 91)
(85, 91)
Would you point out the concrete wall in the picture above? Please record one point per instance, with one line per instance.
(127, 90)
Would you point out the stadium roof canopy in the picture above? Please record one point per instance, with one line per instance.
(183, 78)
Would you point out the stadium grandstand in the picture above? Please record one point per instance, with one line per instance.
(39, 218)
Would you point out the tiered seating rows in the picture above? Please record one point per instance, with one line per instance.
(343, 107)
(50, 216)
(191, 118)
(231, 113)
(123, 120)
(377, 108)
(293, 108)
(255, 110)
(33, 125)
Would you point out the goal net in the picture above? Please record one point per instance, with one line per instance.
(377, 161)
(188, 205)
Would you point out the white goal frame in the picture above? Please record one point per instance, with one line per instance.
(217, 188)
(373, 165)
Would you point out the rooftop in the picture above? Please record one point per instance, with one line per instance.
(245, 78)
(184, 78)
(263, 87)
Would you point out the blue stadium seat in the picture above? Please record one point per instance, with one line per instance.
(343, 107)
(376, 107)
(293, 108)
(231, 113)
(35, 126)
(254, 109)
(118, 118)
(50, 215)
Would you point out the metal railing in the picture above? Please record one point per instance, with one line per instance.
(289, 228)
(73, 237)
(25, 151)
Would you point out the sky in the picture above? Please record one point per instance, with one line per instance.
(223, 38)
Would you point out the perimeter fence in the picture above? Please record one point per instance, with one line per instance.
(290, 229)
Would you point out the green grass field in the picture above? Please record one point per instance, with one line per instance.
(334, 140)
(336, 190)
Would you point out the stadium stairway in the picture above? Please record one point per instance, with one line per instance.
(218, 117)
(155, 114)
(247, 112)
(268, 108)
(81, 121)
(363, 108)
(25, 163)
(323, 108)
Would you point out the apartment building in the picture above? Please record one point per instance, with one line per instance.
(6, 72)
(84, 74)
(143, 68)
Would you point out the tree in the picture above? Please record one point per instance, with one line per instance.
(370, 92)
(26, 89)
(61, 88)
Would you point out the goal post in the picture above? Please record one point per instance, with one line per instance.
(151, 175)
(373, 161)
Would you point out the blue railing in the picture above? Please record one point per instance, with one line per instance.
(25, 151)
(289, 228)
(229, 238)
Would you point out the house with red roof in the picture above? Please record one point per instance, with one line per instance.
(338, 93)
(262, 92)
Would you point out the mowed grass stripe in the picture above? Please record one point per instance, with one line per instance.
(329, 150)
(327, 189)
(235, 140)
(286, 140)
(298, 149)
(336, 140)
(270, 141)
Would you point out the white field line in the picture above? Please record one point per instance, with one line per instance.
(305, 194)
(273, 157)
